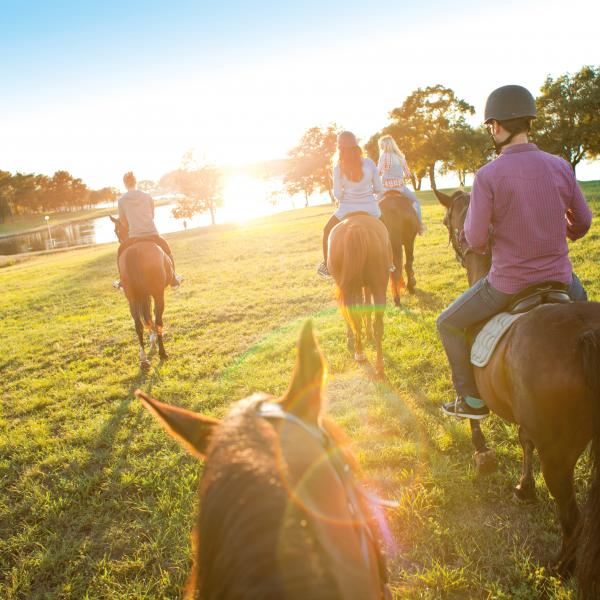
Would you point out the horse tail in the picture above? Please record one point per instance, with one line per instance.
(589, 560)
(351, 277)
(138, 294)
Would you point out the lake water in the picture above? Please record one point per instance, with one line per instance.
(244, 199)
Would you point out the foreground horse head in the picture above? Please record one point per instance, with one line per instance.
(545, 376)
(402, 223)
(359, 260)
(145, 273)
(280, 514)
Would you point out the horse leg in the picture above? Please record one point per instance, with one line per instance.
(485, 459)
(558, 474)
(356, 317)
(525, 489)
(159, 307)
(410, 274)
(379, 308)
(349, 338)
(367, 303)
(396, 275)
(139, 328)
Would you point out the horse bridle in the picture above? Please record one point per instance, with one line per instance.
(454, 236)
(273, 411)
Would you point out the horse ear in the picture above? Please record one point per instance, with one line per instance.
(303, 397)
(113, 219)
(443, 198)
(191, 430)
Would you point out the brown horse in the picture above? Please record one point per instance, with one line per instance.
(402, 224)
(281, 515)
(545, 376)
(145, 272)
(359, 260)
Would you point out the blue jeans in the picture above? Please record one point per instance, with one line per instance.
(481, 301)
(415, 201)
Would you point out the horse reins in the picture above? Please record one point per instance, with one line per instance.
(454, 235)
(274, 411)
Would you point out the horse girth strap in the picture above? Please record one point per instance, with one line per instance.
(349, 579)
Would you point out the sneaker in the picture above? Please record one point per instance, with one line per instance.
(117, 284)
(461, 410)
(177, 279)
(322, 270)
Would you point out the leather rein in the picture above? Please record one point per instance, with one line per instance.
(454, 235)
(273, 411)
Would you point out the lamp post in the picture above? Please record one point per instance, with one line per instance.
(47, 218)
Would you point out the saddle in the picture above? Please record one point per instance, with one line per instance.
(486, 335)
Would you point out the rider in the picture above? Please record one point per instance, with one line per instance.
(136, 211)
(532, 202)
(356, 186)
(393, 170)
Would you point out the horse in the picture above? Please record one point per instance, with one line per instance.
(402, 224)
(359, 260)
(544, 376)
(145, 272)
(281, 513)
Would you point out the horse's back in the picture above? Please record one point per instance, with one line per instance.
(535, 377)
(145, 265)
(399, 217)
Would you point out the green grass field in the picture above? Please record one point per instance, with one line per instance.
(97, 502)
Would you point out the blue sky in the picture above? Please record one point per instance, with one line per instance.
(102, 87)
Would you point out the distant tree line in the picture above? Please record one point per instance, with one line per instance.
(431, 128)
(27, 193)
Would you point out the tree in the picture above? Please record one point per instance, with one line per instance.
(309, 165)
(470, 149)
(6, 193)
(568, 121)
(423, 127)
(201, 187)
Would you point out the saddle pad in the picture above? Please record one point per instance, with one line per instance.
(487, 339)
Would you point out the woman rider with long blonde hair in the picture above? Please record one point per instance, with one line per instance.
(356, 186)
(394, 170)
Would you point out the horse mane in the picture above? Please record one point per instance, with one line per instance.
(262, 546)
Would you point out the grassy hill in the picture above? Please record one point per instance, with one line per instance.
(97, 502)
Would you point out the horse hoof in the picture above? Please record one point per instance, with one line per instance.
(562, 567)
(397, 301)
(360, 357)
(145, 366)
(525, 494)
(163, 356)
(486, 462)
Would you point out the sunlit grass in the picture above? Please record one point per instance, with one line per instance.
(97, 502)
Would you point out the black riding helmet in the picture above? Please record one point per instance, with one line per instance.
(509, 102)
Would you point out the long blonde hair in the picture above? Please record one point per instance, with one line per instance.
(388, 144)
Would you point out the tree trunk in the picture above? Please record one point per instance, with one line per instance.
(331, 195)
(305, 199)
(212, 214)
(419, 182)
(461, 178)
(431, 170)
(414, 181)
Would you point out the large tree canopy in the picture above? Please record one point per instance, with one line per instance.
(309, 164)
(568, 122)
(424, 127)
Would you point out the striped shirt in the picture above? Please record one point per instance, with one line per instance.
(532, 202)
(393, 169)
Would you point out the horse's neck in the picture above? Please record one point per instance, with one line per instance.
(478, 266)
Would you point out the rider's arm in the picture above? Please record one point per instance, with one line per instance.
(122, 216)
(479, 215)
(377, 185)
(338, 190)
(579, 215)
